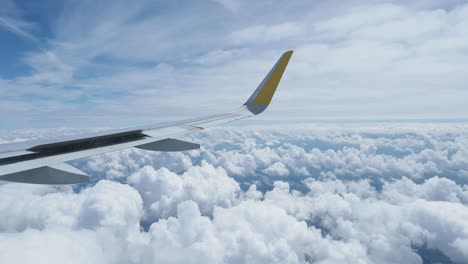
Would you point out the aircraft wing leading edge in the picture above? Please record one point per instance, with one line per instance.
(42, 161)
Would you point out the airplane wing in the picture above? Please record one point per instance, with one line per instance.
(42, 161)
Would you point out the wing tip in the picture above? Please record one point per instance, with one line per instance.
(289, 52)
(263, 95)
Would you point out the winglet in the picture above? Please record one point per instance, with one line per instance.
(262, 96)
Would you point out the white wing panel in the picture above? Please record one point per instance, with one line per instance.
(170, 131)
(47, 157)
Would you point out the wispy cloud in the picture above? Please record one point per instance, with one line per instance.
(11, 19)
(18, 27)
(361, 61)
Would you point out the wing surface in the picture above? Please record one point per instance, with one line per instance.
(42, 161)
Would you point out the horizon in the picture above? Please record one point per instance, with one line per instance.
(361, 156)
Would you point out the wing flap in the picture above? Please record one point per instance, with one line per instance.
(55, 174)
(169, 144)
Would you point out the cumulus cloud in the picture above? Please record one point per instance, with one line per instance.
(117, 165)
(276, 169)
(378, 153)
(44, 224)
(387, 227)
(319, 194)
(163, 190)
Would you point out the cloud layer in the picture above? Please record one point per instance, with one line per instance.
(315, 193)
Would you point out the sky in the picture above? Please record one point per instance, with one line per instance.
(339, 169)
(111, 63)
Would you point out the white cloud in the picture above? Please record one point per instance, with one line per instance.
(276, 169)
(162, 190)
(392, 154)
(52, 246)
(354, 193)
(111, 205)
(379, 58)
(56, 225)
(117, 165)
(433, 189)
(270, 33)
(282, 240)
(387, 228)
(372, 191)
(232, 5)
(11, 20)
(218, 56)
(17, 27)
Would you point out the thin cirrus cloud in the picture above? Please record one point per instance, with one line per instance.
(357, 60)
(330, 193)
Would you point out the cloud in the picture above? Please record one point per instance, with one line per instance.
(347, 198)
(17, 27)
(340, 154)
(45, 206)
(206, 185)
(11, 20)
(111, 205)
(322, 193)
(433, 189)
(118, 165)
(57, 225)
(378, 57)
(232, 5)
(283, 240)
(52, 246)
(277, 169)
(387, 228)
(218, 56)
(270, 33)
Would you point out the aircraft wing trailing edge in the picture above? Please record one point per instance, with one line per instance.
(43, 161)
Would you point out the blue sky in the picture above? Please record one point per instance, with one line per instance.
(111, 63)
(331, 193)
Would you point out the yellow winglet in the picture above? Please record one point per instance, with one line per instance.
(262, 96)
